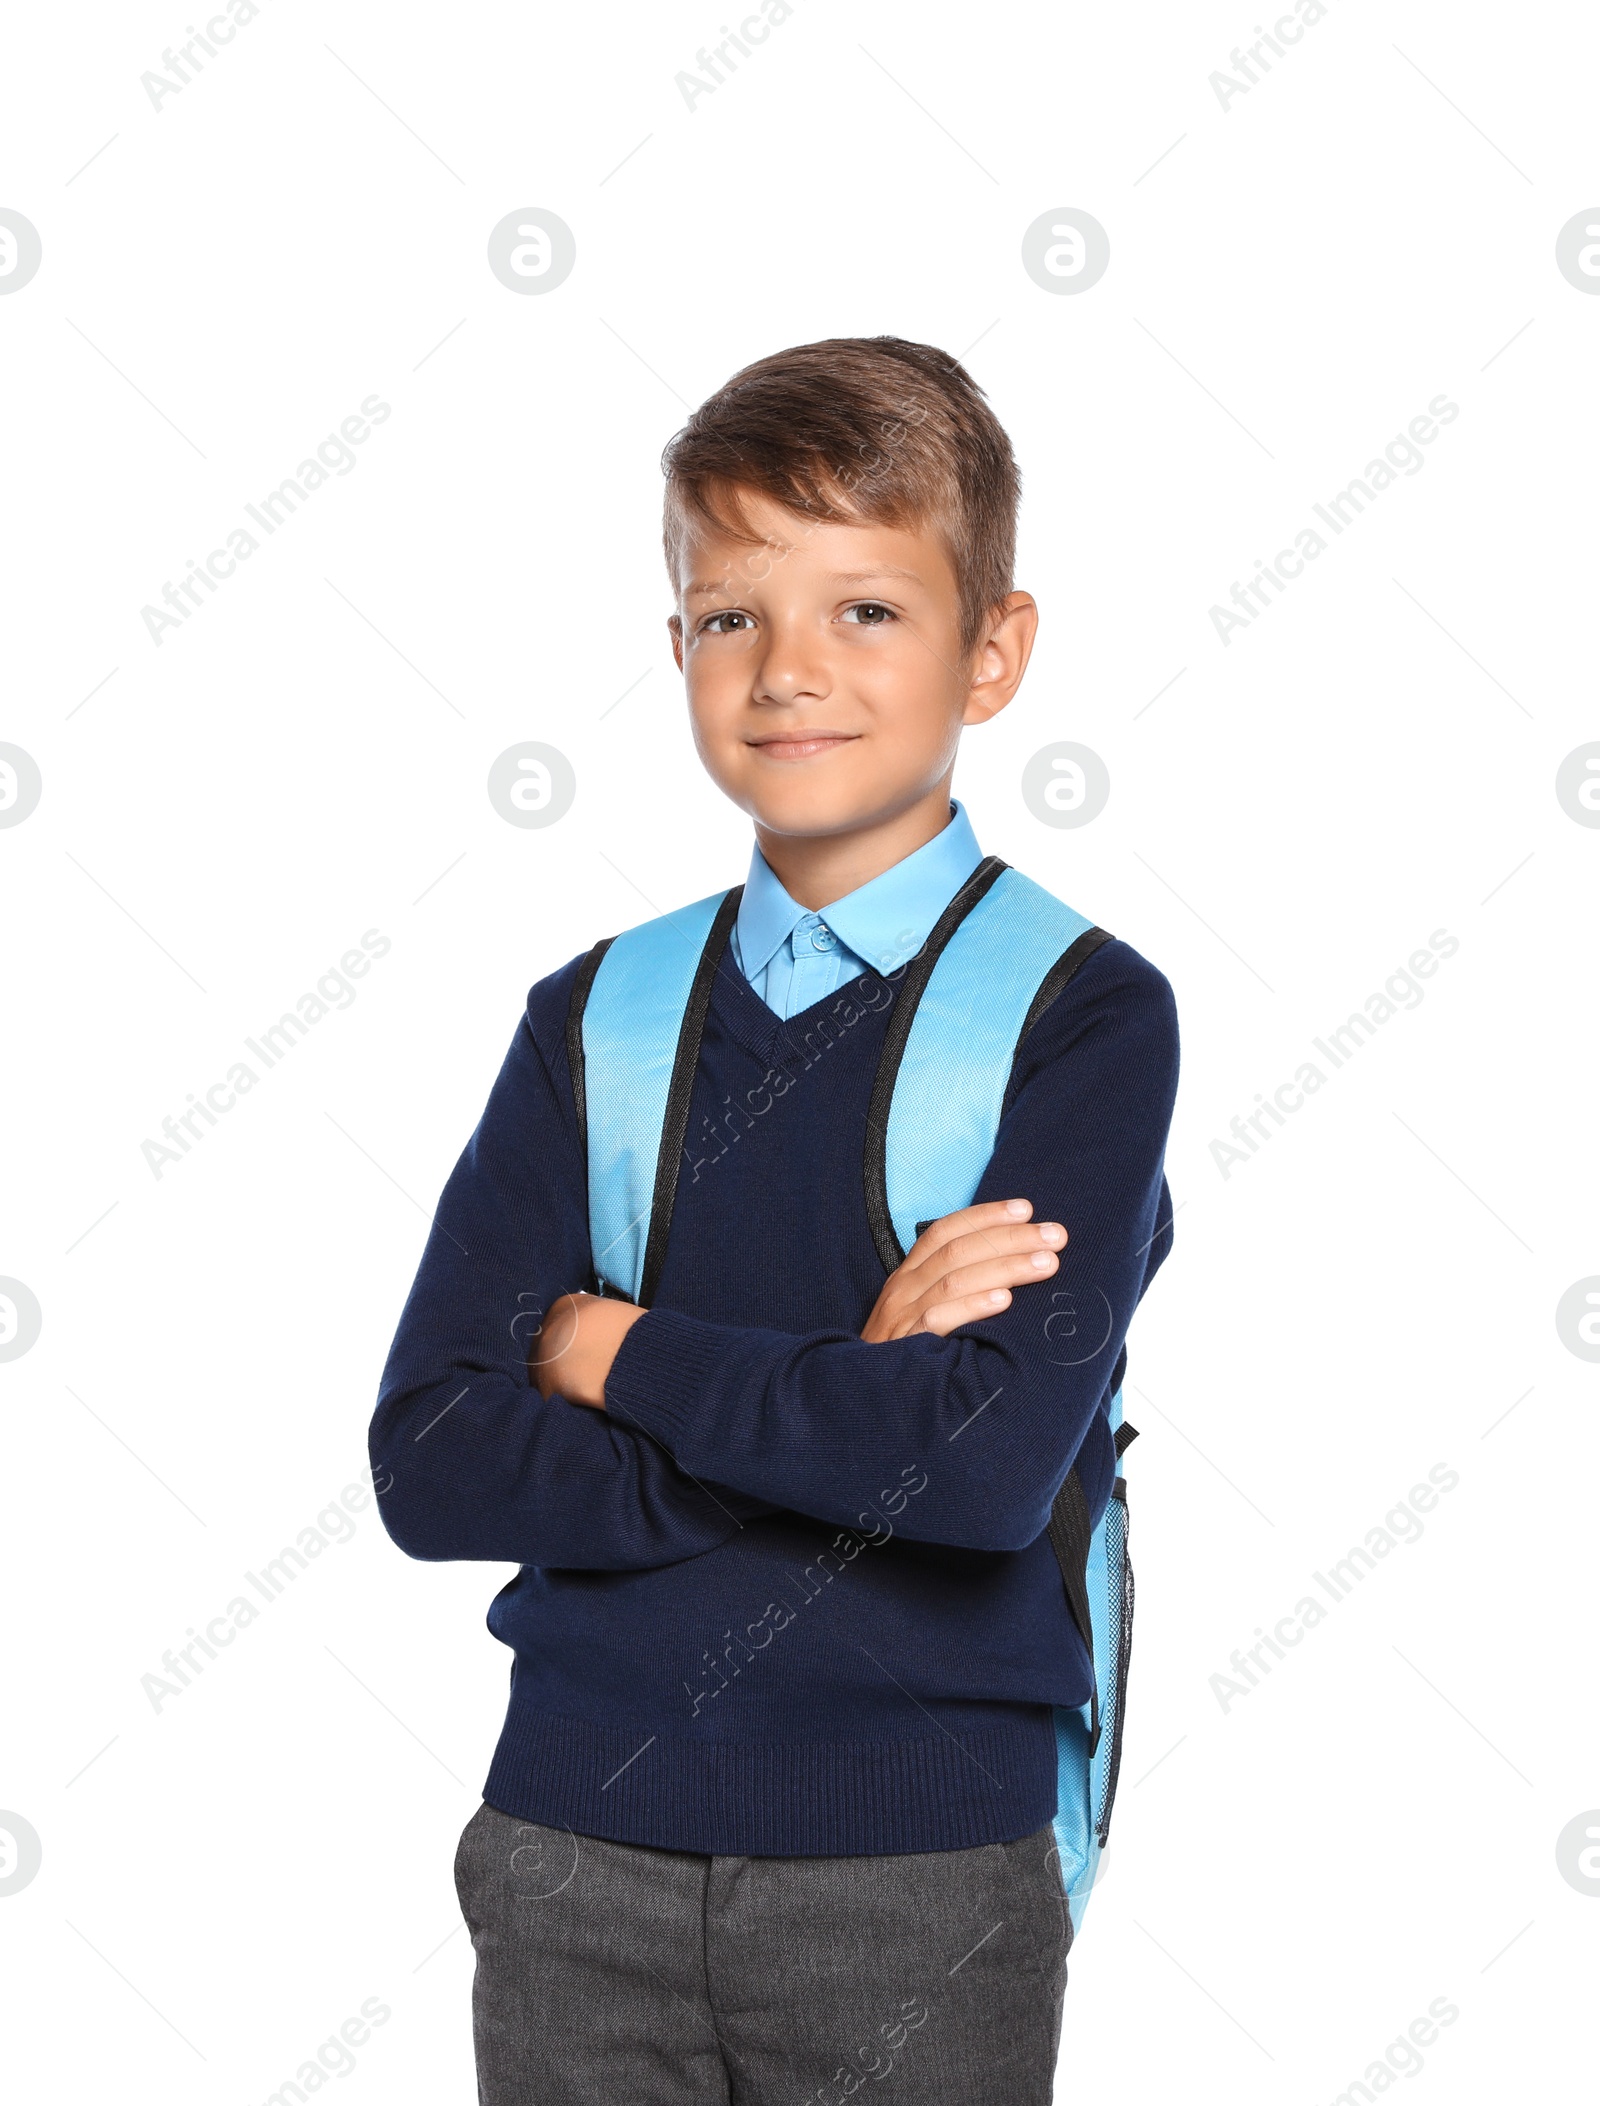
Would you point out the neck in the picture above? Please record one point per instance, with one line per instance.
(817, 869)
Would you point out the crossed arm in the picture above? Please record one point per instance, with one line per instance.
(609, 1438)
(962, 1267)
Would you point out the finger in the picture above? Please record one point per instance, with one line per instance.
(992, 1213)
(1011, 1239)
(1015, 1269)
(980, 1245)
(945, 1317)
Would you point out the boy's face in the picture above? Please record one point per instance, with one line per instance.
(826, 682)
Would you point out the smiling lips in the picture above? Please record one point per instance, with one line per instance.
(802, 745)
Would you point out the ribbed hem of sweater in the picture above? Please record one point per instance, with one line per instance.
(776, 1799)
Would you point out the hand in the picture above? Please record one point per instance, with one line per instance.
(571, 1354)
(964, 1266)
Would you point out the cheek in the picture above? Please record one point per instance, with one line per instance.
(911, 692)
(715, 673)
(718, 694)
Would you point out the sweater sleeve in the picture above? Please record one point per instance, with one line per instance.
(469, 1459)
(982, 1425)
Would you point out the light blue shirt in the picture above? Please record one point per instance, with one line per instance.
(793, 956)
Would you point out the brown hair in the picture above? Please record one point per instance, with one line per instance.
(855, 428)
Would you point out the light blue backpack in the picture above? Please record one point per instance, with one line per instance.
(1000, 954)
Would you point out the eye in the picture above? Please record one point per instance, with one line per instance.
(869, 614)
(731, 615)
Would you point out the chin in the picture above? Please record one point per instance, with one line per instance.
(803, 814)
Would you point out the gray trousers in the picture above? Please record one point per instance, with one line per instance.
(609, 1974)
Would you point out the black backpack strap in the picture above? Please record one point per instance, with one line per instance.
(675, 1123)
(913, 983)
(575, 1008)
(1058, 976)
(1069, 1539)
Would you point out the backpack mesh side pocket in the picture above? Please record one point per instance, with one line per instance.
(1119, 1623)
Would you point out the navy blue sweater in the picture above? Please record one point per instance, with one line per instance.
(790, 1593)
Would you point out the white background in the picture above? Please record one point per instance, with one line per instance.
(1292, 280)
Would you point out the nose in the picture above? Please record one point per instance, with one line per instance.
(794, 664)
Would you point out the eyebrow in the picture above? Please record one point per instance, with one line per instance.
(702, 587)
(882, 570)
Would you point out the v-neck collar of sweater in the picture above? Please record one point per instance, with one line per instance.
(761, 1030)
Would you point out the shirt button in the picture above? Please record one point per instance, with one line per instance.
(823, 939)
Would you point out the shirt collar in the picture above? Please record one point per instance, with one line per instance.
(885, 922)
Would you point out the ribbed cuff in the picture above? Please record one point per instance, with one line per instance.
(663, 1369)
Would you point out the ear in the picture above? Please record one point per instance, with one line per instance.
(1001, 657)
(675, 631)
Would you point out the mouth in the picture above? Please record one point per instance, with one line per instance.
(801, 745)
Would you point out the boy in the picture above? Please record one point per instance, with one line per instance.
(771, 1811)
